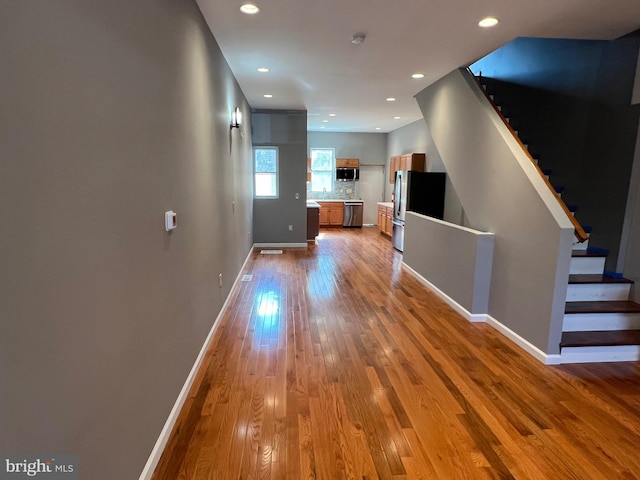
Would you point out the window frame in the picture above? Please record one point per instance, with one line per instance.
(256, 148)
(332, 171)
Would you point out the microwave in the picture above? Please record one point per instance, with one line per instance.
(344, 174)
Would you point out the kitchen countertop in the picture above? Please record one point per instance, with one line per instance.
(312, 204)
(386, 204)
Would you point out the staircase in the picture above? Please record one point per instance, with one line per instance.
(600, 323)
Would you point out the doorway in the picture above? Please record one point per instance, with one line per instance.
(371, 186)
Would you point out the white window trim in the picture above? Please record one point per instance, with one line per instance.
(277, 172)
(333, 168)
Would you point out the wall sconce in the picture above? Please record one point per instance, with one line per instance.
(236, 118)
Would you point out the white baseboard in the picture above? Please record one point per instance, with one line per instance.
(472, 317)
(547, 359)
(280, 245)
(530, 348)
(162, 440)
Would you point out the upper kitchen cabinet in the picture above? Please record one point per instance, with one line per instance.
(408, 161)
(347, 163)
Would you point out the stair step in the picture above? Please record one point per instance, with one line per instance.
(604, 291)
(596, 278)
(600, 339)
(576, 322)
(587, 262)
(619, 306)
(601, 315)
(600, 346)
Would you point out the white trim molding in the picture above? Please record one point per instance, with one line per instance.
(280, 245)
(547, 359)
(471, 317)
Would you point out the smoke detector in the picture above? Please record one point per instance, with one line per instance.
(358, 38)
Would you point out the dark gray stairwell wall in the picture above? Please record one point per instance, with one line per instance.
(112, 113)
(571, 101)
(287, 130)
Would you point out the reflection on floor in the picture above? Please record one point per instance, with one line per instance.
(333, 362)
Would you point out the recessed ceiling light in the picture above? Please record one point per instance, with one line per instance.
(377, 128)
(268, 95)
(325, 121)
(488, 22)
(396, 118)
(263, 69)
(249, 9)
(391, 99)
(332, 114)
(417, 75)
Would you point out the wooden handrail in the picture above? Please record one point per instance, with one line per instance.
(581, 235)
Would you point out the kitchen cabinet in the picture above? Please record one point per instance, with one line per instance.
(408, 161)
(413, 161)
(331, 214)
(393, 167)
(385, 218)
(347, 163)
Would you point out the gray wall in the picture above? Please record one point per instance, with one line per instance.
(370, 148)
(457, 260)
(416, 138)
(111, 113)
(503, 193)
(287, 130)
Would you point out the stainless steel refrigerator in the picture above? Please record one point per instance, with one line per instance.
(420, 192)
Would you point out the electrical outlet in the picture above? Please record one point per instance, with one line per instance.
(220, 279)
(291, 228)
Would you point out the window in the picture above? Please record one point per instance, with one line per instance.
(322, 169)
(266, 172)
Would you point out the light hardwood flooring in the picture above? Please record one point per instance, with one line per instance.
(335, 363)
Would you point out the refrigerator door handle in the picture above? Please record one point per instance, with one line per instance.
(398, 194)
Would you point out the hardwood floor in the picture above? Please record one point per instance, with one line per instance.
(334, 363)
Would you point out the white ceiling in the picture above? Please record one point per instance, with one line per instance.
(313, 65)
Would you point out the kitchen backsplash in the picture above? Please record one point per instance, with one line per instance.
(341, 191)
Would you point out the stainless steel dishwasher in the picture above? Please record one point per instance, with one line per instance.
(353, 213)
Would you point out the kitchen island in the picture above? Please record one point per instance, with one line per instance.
(313, 220)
